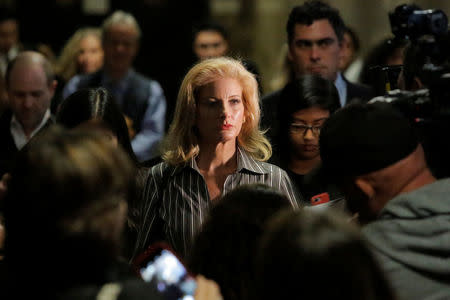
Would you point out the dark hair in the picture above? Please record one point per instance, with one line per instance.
(305, 92)
(226, 246)
(63, 188)
(322, 252)
(312, 11)
(95, 104)
(209, 26)
(354, 37)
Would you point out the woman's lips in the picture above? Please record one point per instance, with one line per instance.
(226, 126)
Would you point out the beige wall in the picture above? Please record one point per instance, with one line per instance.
(257, 27)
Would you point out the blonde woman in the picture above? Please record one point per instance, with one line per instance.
(82, 54)
(213, 145)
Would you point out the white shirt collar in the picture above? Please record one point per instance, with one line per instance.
(341, 87)
(17, 133)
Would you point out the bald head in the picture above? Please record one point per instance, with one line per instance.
(27, 59)
(30, 86)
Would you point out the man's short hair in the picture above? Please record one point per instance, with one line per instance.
(363, 138)
(312, 11)
(120, 17)
(31, 57)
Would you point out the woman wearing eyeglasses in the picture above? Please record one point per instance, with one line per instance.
(306, 104)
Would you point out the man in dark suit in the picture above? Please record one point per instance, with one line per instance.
(315, 33)
(30, 86)
(141, 99)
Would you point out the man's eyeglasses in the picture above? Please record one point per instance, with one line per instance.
(302, 128)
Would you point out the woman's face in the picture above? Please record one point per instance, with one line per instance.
(90, 57)
(220, 111)
(305, 142)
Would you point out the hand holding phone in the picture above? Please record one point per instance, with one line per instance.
(162, 267)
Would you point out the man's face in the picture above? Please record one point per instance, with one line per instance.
(120, 47)
(29, 94)
(347, 52)
(9, 35)
(315, 49)
(209, 44)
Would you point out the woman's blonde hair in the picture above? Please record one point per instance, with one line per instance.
(181, 142)
(67, 66)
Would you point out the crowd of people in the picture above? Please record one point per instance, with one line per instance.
(315, 190)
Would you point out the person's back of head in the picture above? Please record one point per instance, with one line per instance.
(309, 255)
(65, 208)
(225, 248)
(91, 105)
(372, 151)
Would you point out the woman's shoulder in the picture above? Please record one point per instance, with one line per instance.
(161, 169)
(272, 168)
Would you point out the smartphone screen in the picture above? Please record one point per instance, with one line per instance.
(170, 276)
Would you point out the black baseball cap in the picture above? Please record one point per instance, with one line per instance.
(362, 138)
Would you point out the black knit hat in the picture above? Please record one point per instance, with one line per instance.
(362, 138)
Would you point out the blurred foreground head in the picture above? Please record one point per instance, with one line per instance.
(67, 185)
(307, 255)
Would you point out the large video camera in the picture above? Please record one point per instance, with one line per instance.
(427, 30)
(429, 108)
(408, 21)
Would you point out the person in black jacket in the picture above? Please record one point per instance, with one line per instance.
(314, 34)
(30, 85)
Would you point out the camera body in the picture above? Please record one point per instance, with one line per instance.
(427, 30)
(429, 108)
(410, 22)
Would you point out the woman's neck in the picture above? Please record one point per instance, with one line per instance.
(303, 167)
(214, 157)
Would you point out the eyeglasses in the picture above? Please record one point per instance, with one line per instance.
(302, 129)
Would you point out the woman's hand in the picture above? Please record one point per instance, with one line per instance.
(207, 289)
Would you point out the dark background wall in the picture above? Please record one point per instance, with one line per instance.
(165, 49)
(257, 29)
